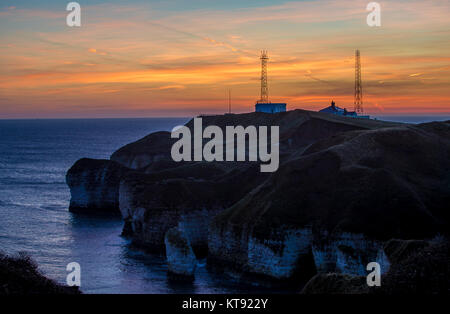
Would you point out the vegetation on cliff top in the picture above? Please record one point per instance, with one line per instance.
(19, 275)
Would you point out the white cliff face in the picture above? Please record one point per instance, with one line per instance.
(348, 253)
(125, 201)
(180, 256)
(94, 185)
(86, 195)
(279, 258)
(148, 226)
(80, 197)
(284, 252)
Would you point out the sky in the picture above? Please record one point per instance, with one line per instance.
(180, 58)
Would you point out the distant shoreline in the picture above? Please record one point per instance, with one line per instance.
(415, 119)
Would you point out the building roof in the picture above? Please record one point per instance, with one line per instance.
(332, 109)
(337, 110)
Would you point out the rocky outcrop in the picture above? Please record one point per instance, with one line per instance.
(354, 190)
(94, 186)
(151, 205)
(282, 256)
(181, 260)
(417, 267)
(347, 253)
(344, 187)
(19, 275)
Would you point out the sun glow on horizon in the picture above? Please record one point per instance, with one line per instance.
(159, 59)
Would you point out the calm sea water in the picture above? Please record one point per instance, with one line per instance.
(34, 199)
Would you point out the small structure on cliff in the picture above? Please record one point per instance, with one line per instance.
(263, 104)
(358, 111)
(270, 108)
(342, 111)
(339, 111)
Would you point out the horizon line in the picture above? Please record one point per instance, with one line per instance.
(212, 114)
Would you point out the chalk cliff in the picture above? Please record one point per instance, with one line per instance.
(340, 201)
(417, 267)
(344, 187)
(153, 203)
(181, 259)
(94, 185)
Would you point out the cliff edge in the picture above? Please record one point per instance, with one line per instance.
(344, 187)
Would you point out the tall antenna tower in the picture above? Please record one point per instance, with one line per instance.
(358, 84)
(264, 86)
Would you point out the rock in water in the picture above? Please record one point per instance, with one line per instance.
(94, 185)
(180, 256)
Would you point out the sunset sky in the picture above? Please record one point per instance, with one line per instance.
(180, 58)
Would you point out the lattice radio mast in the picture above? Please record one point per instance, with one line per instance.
(358, 85)
(264, 86)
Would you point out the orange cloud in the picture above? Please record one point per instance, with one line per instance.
(186, 61)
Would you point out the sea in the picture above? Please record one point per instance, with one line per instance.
(34, 199)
